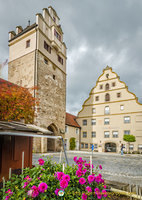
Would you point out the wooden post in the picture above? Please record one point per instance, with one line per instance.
(63, 167)
(9, 173)
(90, 164)
(22, 161)
(60, 156)
(3, 179)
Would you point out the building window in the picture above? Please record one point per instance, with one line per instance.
(93, 122)
(93, 134)
(121, 107)
(95, 146)
(97, 98)
(106, 121)
(101, 87)
(47, 47)
(77, 131)
(107, 86)
(84, 134)
(107, 111)
(58, 36)
(118, 94)
(131, 147)
(28, 43)
(86, 146)
(66, 129)
(85, 122)
(140, 147)
(113, 84)
(127, 132)
(91, 146)
(45, 61)
(107, 97)
(54, 77)
(82, 145)
(126, 120)
(93, 110)
(115, 134)
(106, 134)
(60, 59)
(107, 75)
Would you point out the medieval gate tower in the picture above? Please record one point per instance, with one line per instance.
(37, 57)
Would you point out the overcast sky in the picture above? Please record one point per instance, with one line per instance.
(97, 33)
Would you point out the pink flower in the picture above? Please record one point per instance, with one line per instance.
(104, 193)
(25, 184)
(35, 191)
(80, 166)
(91, 178)
(9, 192)
(63, 184)
(96, 190)
(60, 175)
(82, 181)
(84, 171)
(89, 189)
(56, 191)
(99, 196)
(78, 173)
(7, 197)
(66, 177)
(84, 196)
(105, 186)
(41, 161)
(75, 158)
(28, 178)
(100, 166)
(42, 187)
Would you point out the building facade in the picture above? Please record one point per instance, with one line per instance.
(37, 57)
(72, 130)
(110, 112)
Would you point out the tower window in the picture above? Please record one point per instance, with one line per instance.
(60, 59)
(97, 98)
(107, 97)
(28, 43)
(107, 86)
(47, 47)
(113, 84)
(58, 36)
(54, 77)
(118, 94)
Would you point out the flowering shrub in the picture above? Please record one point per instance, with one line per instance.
(47, 179)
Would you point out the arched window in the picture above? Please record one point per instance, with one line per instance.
(107, 111)
(107, 97)
(107, 86)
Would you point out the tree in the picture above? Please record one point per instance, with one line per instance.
(72, 143)
(129, 138)
(16, 102)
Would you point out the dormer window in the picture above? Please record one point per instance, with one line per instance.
(107, 86)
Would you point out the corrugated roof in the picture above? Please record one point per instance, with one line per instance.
(71, 120)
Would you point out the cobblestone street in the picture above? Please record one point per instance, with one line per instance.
(124, 169)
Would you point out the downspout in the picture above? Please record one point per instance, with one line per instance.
(35, 66)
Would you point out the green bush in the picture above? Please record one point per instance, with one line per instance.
(72, 143)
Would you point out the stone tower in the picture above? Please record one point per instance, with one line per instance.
(37, 57)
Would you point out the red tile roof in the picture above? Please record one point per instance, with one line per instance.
(2, 81)
(71, 120)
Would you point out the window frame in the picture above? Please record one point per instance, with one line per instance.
(127, 121)
(28, 43)
(113, 135)
(106, 121)
(84, 122)
(106, 135)
(84, 134)
(93, 122)
(107, 112)
(127, 131)
(93, 136)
